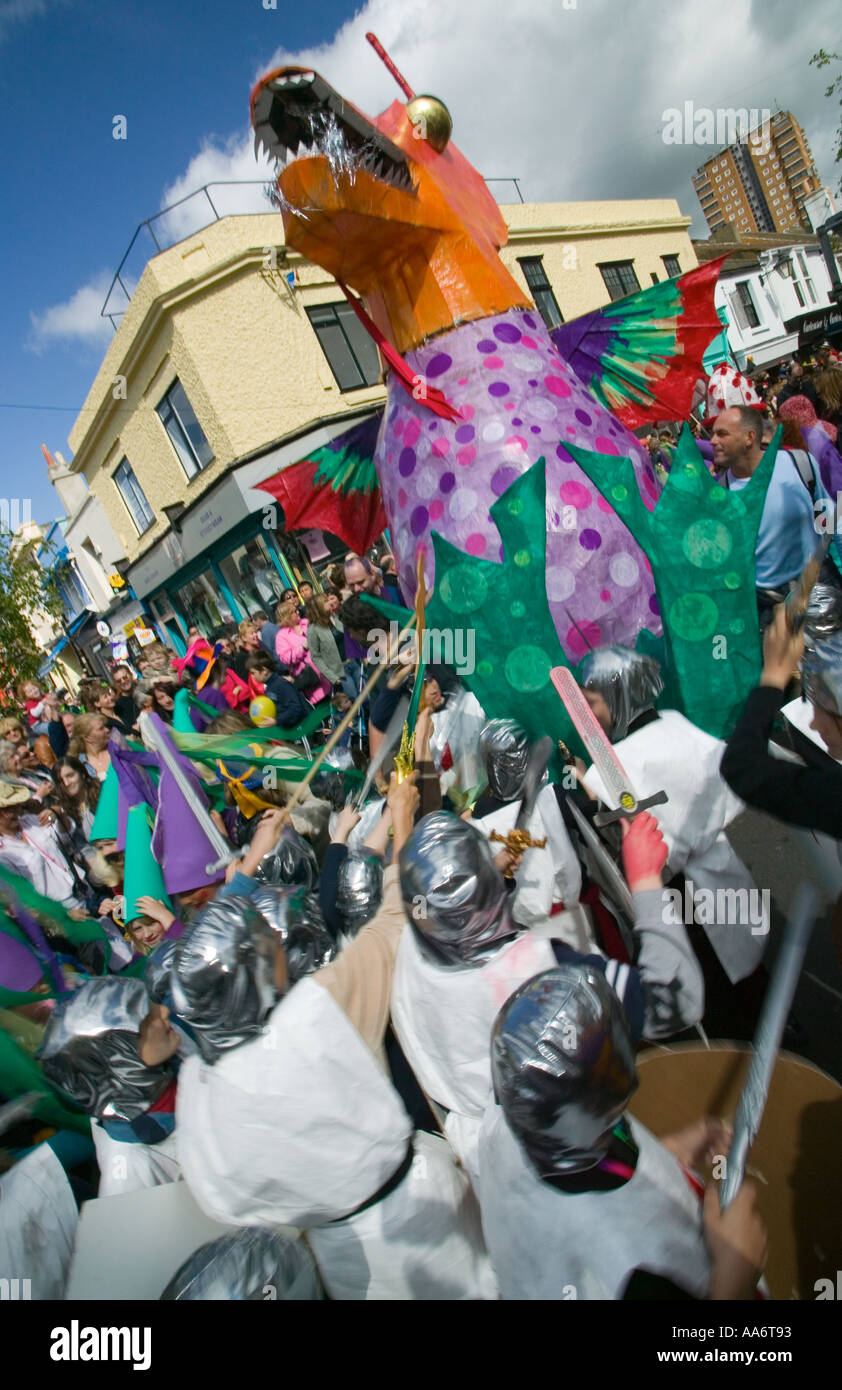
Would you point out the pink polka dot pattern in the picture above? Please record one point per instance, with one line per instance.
(445, 475)
(582, 639)
(575, 494)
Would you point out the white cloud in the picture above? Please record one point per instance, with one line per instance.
(78, 319)
(215, 163)
(571, 100)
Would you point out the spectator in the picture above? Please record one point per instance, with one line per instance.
(787, 535)
(163, 695)
(31, 695)
(90, 744)
(291, 707)
(77, 793)
(125, 708)
(291, 649)
(362, 578)
(100, 698)
(29, 847)
(12, 731)
(829, 390)
(18, 765)
(322, 633)
(797, 384)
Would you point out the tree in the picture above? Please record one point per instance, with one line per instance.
(25, 590)
(823, 60)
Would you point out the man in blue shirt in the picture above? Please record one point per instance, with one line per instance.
(788, 532)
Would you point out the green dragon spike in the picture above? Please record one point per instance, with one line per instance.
(700, 540)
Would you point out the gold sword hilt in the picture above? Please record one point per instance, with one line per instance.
(517, 842)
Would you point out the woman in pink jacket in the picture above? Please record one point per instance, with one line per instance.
(291, 649)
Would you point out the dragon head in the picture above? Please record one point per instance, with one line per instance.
(388, 206)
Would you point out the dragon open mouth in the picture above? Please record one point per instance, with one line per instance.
(296, 113)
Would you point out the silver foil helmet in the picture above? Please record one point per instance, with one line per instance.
(297, 918)
(90, 1050)
(156, 972)
(242, 1266)
(628, 682)
(821, 664)
(291, 863)
(454, 895)
(359, 890)
(562, 1065)
(504, 750)
(223, 975)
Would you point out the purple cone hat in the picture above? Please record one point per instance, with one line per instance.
(179, 843)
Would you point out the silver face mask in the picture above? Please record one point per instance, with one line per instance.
(292, 863)
(295, 915)
(359, 890)
(90, 1050)
(628, 682)
(223, 976)
(504, 750)
(245, 1266)
(821, 664)
(562, 1064)
(454, 895)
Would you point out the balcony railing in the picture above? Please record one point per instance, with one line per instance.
(176, 222)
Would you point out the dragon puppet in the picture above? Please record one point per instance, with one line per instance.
(481, 393)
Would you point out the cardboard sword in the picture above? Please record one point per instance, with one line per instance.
(767, 1040)
(604, 758)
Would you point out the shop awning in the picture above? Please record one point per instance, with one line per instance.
(51, 656)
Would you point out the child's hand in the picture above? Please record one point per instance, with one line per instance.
(345, 822)
(644, 852)
(152, 907)
(737, 1242)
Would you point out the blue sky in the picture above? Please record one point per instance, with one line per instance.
(566, 94)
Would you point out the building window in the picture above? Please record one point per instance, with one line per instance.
(807, 281)
(350, 352)
(134, 497)
(73, 593)
(747, 316)
(186, 434)
(620, 279)
(671, 266)
(541, 290)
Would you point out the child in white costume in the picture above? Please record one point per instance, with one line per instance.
(289, 1116)
(665, 752)
(578, 1199)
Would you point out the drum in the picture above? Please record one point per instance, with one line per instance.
(796, 1158)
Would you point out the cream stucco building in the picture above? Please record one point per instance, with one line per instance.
(235, 358)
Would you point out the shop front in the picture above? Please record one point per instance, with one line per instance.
(816, 327)
(229, 556)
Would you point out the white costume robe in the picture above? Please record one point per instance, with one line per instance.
(301, 1126)
(129, 1167)
(443, 1014)
(545, 876)
(548, 1244)
(670, 754)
